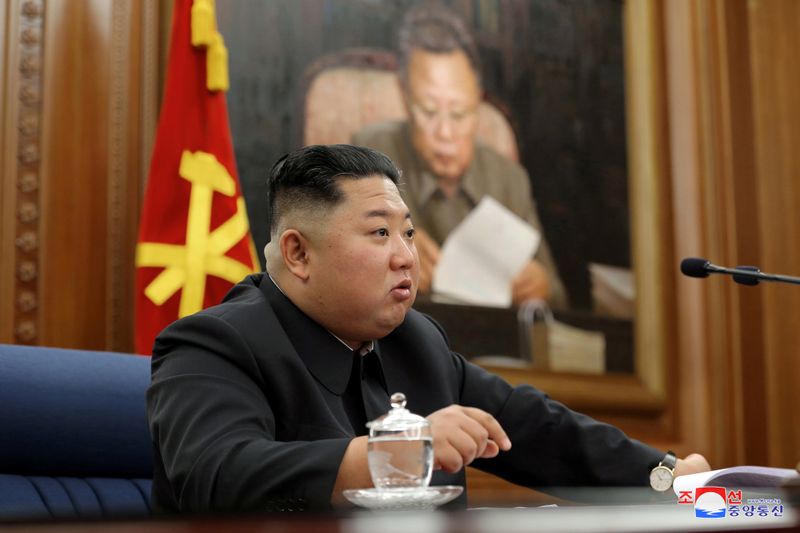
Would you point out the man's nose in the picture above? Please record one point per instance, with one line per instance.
(443, 127)
(403, 256)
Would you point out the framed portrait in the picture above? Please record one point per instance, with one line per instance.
(561, 91)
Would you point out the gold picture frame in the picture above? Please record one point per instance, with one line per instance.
(643, 392)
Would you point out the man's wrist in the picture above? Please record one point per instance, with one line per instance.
(353, 472)
(662, 475)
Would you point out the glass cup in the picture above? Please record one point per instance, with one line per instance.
(400, 449)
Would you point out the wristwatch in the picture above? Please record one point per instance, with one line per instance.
(661, 476)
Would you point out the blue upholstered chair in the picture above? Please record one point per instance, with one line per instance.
(74, 441)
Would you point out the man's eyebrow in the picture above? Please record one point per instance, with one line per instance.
(383, 213)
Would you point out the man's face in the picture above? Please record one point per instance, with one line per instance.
(363, 265)
(442, 97)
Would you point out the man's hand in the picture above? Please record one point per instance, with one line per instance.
(463, 434)
(693, 464)
(429, 253)
(532, 283)
(460, 435)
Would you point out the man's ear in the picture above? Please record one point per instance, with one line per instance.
(294, 250)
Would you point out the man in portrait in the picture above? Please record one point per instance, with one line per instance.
(446, 169)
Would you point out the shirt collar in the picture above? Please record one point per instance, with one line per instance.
(364, 350)
(325, 355)
(472, 185)
(425, 183)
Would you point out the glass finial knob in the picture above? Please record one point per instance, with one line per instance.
(398, 400)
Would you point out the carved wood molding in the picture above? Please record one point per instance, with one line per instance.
(150, 85)
(133, 108)
(116, 235)
(26, 67)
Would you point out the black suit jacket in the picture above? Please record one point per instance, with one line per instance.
(246, 413)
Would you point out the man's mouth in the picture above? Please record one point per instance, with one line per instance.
(439, 156)
(403, 289)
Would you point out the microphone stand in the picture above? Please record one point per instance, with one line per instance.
(751, 275)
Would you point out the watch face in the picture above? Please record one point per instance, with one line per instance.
(661, 478)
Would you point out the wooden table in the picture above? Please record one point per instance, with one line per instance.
(620, 518)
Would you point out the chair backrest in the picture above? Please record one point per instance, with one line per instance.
(356, 87)
(74, 441)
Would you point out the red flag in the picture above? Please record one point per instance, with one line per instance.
(194, 237)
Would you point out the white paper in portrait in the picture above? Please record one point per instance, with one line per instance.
(483, 254)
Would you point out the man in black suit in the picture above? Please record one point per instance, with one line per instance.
(260, 402)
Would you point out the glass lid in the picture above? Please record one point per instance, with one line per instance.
(398, 419)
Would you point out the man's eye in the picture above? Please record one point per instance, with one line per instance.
(426, 111)
(383, 232)
(410, 233)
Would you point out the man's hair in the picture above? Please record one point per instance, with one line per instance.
(306, 178)
(436, 29)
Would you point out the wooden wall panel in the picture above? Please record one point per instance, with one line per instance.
(79, 96)
(731, 229)
(75, 168)
(746, 391)
(691, 389)
(774, 42)
(734, 134)
(726, 184)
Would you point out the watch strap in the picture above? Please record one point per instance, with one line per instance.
(670, 460)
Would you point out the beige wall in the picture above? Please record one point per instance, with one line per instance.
(720, 113)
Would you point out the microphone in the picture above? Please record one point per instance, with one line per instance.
(697, 267)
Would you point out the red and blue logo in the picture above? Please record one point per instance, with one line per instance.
(710, 502)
